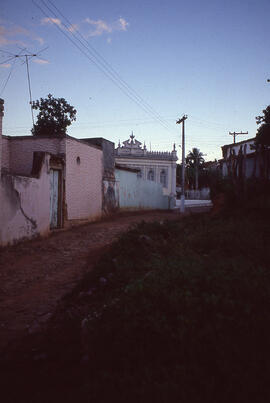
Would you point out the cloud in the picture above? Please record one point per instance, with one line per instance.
(123, 24)
(102, 27)
(73, 28)
(56, 21)
(11, 34)
(5, 65)
(51, 21)
(41, 61)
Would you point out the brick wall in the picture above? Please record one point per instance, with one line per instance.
(22, 149)
(5, 153)
(83, 180)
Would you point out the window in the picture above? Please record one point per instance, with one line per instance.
(151, 175)
(163, 178)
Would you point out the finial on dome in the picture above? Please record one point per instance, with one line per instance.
(132, 136)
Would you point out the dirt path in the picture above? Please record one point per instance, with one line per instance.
(35, 275)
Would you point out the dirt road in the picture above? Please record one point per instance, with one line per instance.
(35, 275)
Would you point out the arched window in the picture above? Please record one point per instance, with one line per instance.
(163, 178)
(151, 175)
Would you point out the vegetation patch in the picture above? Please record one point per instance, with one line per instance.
(174, 311)
(181, 310)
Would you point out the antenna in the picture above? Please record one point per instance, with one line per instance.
(29, 83)
(27, 55)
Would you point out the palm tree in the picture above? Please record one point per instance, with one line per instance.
(194, 160)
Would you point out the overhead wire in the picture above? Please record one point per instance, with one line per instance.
(121, 85)
(8, 77)
(104, 61)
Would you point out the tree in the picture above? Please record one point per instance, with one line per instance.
(55, 115)
(262, 143)
(195, 160)
(263, 132)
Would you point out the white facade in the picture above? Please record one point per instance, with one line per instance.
(156, 166)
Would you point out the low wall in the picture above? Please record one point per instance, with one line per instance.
(203, 194)
(25, 205)
(137, 193)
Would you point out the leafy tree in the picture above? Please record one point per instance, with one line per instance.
(194, 161)
(261, 146)
(55, 115)
(263, 132)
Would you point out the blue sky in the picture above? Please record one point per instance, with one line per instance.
(207, 59)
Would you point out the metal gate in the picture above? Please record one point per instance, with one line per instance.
(54, 198)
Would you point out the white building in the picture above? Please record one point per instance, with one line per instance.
(156, 166)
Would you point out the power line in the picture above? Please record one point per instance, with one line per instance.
(101, 59)
(8, 77)
(81, 46)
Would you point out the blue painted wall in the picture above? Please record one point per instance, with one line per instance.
(137, 193)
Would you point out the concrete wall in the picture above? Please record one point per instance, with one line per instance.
(110, 202)
(137, 193)
(83, 181)
(22, 149)
(25, 205)
(157, 166)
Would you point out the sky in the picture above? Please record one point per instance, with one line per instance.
(140, 66)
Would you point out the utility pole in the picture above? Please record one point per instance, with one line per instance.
(234, 134)
(29, 84)
(182, 205)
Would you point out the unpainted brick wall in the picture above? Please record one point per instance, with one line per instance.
(22, 149)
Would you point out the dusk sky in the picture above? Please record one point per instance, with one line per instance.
(207, 59)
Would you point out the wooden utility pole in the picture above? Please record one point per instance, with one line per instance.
(182, 205)
(234, 134)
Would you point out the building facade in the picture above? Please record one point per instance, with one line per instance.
(46, 183)
(159, 167)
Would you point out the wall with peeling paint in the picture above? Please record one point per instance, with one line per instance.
(137, 193)
(25, 205)
(83, 180)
